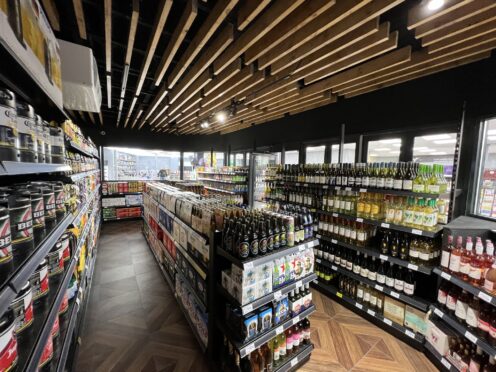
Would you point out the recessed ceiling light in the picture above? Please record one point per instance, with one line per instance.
(394, 140)
(435, 4)
(382, 149)
(442, 142)
(436, 137)
(204, 124)
(221, 116)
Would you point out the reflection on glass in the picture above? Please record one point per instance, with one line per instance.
(218, 159)
(348, 153)
(247, 159)
(128, 164)
(193, 160)
(239, 159)
(231, 160)
(387, 150)
(278, 157)
(315, 154)
(485, 198)
(291, 157)
(436, 149)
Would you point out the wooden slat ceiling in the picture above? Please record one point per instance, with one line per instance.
(260, 60)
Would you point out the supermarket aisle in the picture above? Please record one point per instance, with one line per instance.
(133, 322)
(345, 341)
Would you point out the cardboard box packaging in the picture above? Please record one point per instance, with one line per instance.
(394, 310)
(439, 335)
(242, 277)
(416, 320)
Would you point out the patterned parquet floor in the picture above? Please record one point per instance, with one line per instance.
(133, 322)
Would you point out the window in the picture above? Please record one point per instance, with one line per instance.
(348, 153)
(485, 198)
(278, 157)
(291, 157)
(239, 160)
(247, 159)
(436, 149)
(315, 154)
(128, 164)
(218, 159)
(231, 160)
(386, 150)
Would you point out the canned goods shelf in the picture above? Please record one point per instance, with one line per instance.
(73, 145)
(78, 176)
(14, 168)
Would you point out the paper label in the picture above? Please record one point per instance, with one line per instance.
(379, 287)
(277, 295)
(250, 348)
(409, 333)
(279, 330)
(247, 308)
(334, 241)
(413, 267)
(383, 257)
(446, 363)
(416, 232)
(438, 312)
(339, 294)
(471, 337)
(387, 321)
(317, 260)
(395, 295)
(318, 236)
(294, 361)
(446, 276)
(248, 265)
(485, 297)
(371, 312)
(334, 268)
(363, 190)
(360, 306)
(299, 284)
(296, 319)
(359, 220)
(385, 225)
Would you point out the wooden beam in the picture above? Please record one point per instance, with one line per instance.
(323, 22)
(460, 27)
(225, 75)
(186, 104)
(270, 84)
(214, 19)
(460, 14)
(193, 89)
(108, 33)
(161, 18)
(92, 117)
(340, 63)
(133, 25)
(421, 14)
(248, 11)
(421, 73)
(180, 31)
(291, 24)
(219, 44)
(260, 27)
(101, 118)
(484, 31)
(79, 12)
(328, 42)
(52, 13)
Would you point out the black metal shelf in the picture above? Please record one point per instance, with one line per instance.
(247, 347)
(74, 146)
(225, 191)
(439, 361)
(66, 335)
(296, 361)
(275, 295)
(374, 253)
(414, 339)
(121, 194)
(79, 176)
(14, 168)
(223, 181)
(481, 293)
(168, 278)
(260, 259)
(199, 301)
(463, 330)
(364, 189)
(191, 324)
(224, 173)
(122, 218)
(414, 301)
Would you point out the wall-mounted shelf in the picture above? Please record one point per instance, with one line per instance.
(14, 168)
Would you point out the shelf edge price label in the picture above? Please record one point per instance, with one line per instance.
(416, 232)
(296, 319)
(385, 225)
(299, 284)
(250, 348)
(325, 187)
(438, 312)
(412, 267)
(471, 337)
(484, 296)
(359, 219)
(445, 275)
(379, 287)
(305, 185)
(294, 361)
(279, 330)
(362, 190)
(334, 241)
(394, 294)
(339, 294)
(318, 260)
(335, 215)
(347, 189)
(383, 257)
(277, 295)
(247, 308)
(303, 247)
(337, 188)
(334, 268)
(387, 321)
(248, 265)
(360, 306)
(445, 363)
(371, 312)
(318, 236)
(409, 333)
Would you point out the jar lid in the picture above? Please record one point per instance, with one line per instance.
(25, 109)
(7, 98)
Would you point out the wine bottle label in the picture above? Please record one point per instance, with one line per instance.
(353, 235)
(418, 187)
(451, 302)
(364, 272)
(366, 296)
(365, 181)
(445, 258)
(361, 236)
(347, 232)
(397, 184)
(418, 218)
(330, 203)
(380, 183)
(483, 325)
(430, 219)
(349, 265)
(390, 214)
(388, 183)
(442, 296)
(326, 256)
(344, 181)
(413, 253)
(372, 182)
(399, 285)
(360, 293)
(381, 278)
(465, 267)
(244, 250)
(492, 332)
(356, 269)
(408, 217)
(373, 300)
(489, 285)
(433, 189)
(475, 273)
(331, 257)
(424, 256)
(407, 185)
(398, 216)
(472, 316)
(408, 288)
(341, 230)
(461, 309)
(389, 281)
(454, 264)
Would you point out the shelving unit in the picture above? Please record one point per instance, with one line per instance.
(74, 146)
(440, 361)
(79, 176)
(14, 168)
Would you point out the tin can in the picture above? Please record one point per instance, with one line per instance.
(40, 140)
(39, 282)
(47, 355)
(47, 140)
(23, 309)
(66, 247)
(8, 126)
(55, 261)
(57, 144)
(6, 257)
(21, 226)
(8, 342)
(26, 133)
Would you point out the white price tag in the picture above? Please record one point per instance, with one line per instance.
(413, 267)
(334, 268)
(485, 297)
(335, 215)
(250, 348)
(383, 257)
(248, 265)
(445, 276)
(347, 188)
(359, 219)
(294, 361)
(445, 363)
(387, 321)
(379, 287)
(362, 190)
(305, 185)
(438, 312)
(385, 225)
(337, 188)
(279, 330)
(303, 247)
(416, 232)
(299, 284)
(394, 294)
(318, 260)
(296, 319)
(371, 312)
(277, 295)
(360, 306)
(318, 236)
(297, 184)
(409, 333)
(325, 187)
(471, 337)
(334, 241)
(247, 309)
